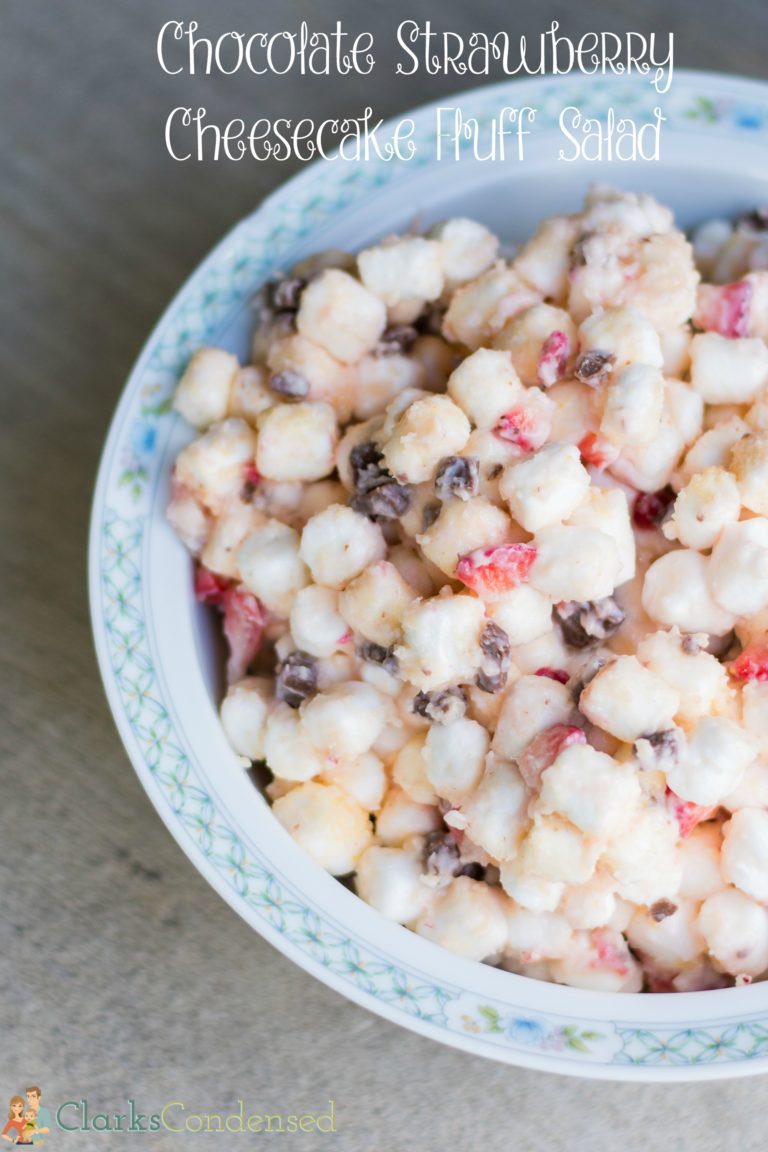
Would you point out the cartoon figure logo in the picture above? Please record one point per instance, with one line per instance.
(27, 1123)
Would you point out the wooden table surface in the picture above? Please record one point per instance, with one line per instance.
(122, 974)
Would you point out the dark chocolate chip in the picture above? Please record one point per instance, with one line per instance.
(661, 909)
(442, 706)
(589, 622)
(430, 320)
(458, 476)
(397, 338)
(296, 679)
(665, 749)
(289, 385)
(385, 502)
(285, 295)
(593, 367)
(754, 221)
(430, 513)
(442, 859)
(365, 462)
(378, 654)
(495, 647)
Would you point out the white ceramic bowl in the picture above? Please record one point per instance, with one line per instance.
(159, 654)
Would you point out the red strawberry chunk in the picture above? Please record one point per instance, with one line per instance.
(597, 451)
(251, 474)
(687, 814)
(724, 308)
(608, 954)
(752, 663)
(491, 572)
(244, 623)
(210, 588)
(558, 674)
(523, 428)
(650, 508)
(545, 748)
(553, 359)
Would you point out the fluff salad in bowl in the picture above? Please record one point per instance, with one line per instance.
(489, 538)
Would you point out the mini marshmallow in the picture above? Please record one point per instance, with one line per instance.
(735, 930)
(738, 568)
(606, 509)
(634, 403)
(389, 879)
(555, 849)
(316, 624)
(709, 501)
(461, 527)
(546, 488)
(338, 544)
(590, 789)
(533, 704)
(485, 385)
(749, 464)
(466, 917)
(718, 751)
(341, 315)
(628, 700)
(728, 371)
(480, 308)
(744, 857)
(454, 755)
(409, 771)
(297, 442)
(428, 430)
(523, 613)
(327, 823)
(270, 566)
(400, 817)
(211, 468)
(467, 248)
(676, 591)
(625, 335)
(244, 712)
(496, 814)
(345, 720)
(574, 563)
(441, 641)
(403, 269)
(203, 392)
(374, 602)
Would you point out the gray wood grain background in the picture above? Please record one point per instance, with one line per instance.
(122, 974)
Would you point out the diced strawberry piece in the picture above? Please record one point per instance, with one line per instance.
(553, 359)
(687, 814)
(724, 308)
(251, 474)
(244, 623)
(522, 427)
(650, 508)
(209, 587)
(491, 572)
(752, 663)
(608, 954)
(597, 451)
(545, 748)
(558, 674)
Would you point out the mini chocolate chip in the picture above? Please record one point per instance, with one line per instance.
(397, 338)
(458, 476)
(378, 654)
(442, 706)
(296, 679)
(386, 502)
(593, 367)
(430, 513)
(660, 750)
(495, 647)
(495, 471)
(289, 385)
(589, 622)
(660, 909)
(366, 467)
(442, 860)
(754, 221)
(285, 295)
(429, 322)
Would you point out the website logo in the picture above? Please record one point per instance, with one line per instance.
(29, 1121)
